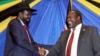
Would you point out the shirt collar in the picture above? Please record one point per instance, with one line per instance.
(21, 22)
(78, 26)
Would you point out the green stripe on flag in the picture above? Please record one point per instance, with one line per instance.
(5, 1)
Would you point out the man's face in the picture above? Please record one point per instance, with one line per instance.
(72, 19)
(26, 14)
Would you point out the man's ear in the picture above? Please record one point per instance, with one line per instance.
(20, 15)
(78, 18)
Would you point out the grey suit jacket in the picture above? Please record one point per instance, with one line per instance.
(88, 43)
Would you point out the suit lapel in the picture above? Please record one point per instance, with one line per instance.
(81, 36)
(64, 41)
(67, 35)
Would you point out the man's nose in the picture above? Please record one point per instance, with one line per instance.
(29, 16)
(68, 19)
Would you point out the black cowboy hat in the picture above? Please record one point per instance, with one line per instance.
(22, 6)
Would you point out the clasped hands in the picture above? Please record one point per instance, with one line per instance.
(41, 51)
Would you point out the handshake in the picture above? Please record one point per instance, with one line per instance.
(42, 51)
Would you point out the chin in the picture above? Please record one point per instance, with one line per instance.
(27, 23)
(71, 26)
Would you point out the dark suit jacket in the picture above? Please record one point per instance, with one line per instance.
(88, 43)
(16, 41)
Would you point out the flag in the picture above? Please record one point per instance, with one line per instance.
(69, 7)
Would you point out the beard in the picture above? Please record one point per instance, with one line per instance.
(70, 24)
(26, 21)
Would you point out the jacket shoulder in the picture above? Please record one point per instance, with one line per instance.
(89, 27)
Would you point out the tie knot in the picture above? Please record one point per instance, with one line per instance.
(72, 29)
(25, 26)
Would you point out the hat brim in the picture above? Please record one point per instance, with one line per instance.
(16, 13)
(32, 10)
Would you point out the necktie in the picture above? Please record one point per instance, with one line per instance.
(70, 44)
(27, 33)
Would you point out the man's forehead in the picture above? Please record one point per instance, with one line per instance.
(72, 13)
(26, 11)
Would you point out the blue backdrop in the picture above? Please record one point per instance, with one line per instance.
(46, 26)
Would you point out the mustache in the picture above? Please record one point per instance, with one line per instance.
(70, 24)
(26, 21)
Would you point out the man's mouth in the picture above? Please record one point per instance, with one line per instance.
(70, 24)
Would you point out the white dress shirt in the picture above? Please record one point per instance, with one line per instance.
(21, 22)
(75, 40)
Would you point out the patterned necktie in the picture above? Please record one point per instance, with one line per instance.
(27, 33)
(70, 44)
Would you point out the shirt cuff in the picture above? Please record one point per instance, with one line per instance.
(47, 52)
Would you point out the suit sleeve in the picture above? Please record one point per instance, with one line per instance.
(96, 41)
(55, 50)
(19, 38)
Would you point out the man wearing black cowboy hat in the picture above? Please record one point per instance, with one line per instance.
(18, 40)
